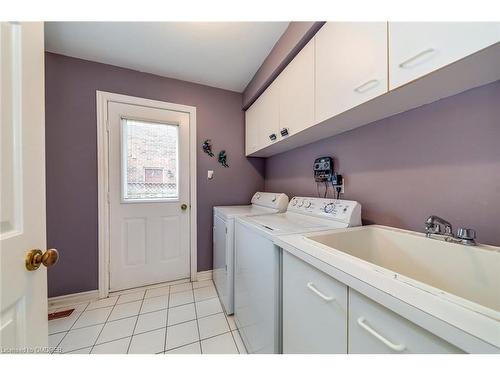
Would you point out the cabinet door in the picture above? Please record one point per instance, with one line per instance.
(251, 130)
(262, 120)
(374, 329)
(418, 48)
(351, 66)
(314, 310)
(296, 96)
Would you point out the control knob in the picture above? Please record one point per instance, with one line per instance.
(329, 208)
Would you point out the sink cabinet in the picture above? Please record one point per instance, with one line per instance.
(314, 310)
(324, 316)
(374, 329)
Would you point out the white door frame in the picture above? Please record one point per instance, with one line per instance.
(103, 98)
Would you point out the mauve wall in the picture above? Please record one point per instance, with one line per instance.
(71, 152)
(442, 158)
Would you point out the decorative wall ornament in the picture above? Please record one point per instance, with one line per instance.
(223, 158)
(207, 147)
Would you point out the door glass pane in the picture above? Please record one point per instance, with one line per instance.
(150, 160)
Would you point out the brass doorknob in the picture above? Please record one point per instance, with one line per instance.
(35, 257)
(184, 207)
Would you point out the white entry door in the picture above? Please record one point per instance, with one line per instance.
(149, 195)
(23, 293)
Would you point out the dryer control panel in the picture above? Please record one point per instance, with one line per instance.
(278, 201)
(348, 212)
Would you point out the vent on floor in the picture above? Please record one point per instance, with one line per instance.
(60, 314)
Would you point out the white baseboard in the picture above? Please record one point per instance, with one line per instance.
(73, 299)
(204, 275)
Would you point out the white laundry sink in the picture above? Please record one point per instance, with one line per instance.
(471, 273)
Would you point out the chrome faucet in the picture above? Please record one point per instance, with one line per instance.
(464, 236)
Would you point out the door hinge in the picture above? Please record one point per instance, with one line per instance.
(107, 196)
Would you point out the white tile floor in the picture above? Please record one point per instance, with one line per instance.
(184, 318)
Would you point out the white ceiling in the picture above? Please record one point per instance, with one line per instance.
(219, 54)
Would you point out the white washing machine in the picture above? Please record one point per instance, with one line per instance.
(223, 239)
(257, 279)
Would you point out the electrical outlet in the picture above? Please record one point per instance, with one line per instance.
(343, 186)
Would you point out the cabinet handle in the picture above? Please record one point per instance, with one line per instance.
(407, 63)
(372, 83)
(311, 286)
(370, 330)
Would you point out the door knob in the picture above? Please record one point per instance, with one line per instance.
(184, 207)
(35, 257)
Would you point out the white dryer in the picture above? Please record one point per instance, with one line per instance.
(223, 239)
(257, 279)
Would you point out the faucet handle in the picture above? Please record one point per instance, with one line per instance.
(466, 234)
(432, 228)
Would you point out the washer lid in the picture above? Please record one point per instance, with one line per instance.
(290, 222)
(227, 212)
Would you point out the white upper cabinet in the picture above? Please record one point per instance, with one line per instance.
(296, 96)
(262, 120)
(351, 66)
(418, 48)
(348, 72)
(251, 131)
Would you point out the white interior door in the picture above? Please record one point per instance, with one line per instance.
(149, 195)
(23, 293)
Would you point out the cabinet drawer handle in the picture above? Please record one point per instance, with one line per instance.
(370, 330)
(311, 286)
(407, 63)
(372, 83)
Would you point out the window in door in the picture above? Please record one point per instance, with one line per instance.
(150, 158)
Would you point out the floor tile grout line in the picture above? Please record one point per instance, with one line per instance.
(137, 315)
(81, 312)
(197, 323)
(166, 322)
(87, 304)
(227, 321)
(152, 286)
(183, 345)
(137, 319)
(230, 331)
(104, 325)
(85, 309)
(234, 340)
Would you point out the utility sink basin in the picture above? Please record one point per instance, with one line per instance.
(471, 273)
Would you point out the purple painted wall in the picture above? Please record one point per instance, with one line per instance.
(286, 48)
(442, 158)
(71, 152)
